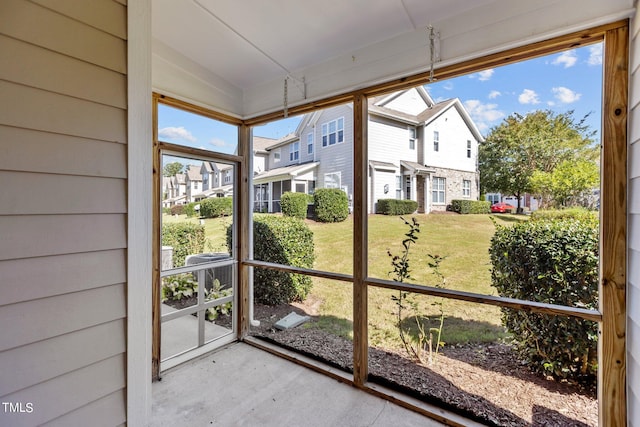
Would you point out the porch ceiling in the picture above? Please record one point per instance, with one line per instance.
(234, 55)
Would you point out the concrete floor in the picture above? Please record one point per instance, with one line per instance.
(244, 386)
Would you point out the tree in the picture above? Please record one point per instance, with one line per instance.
(537, 142)
(569, 184)
(171, 169)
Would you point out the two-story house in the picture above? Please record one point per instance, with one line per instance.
(418, 150)
(193, 182)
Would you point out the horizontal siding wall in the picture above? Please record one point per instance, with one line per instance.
(63, 215)
(633, 243)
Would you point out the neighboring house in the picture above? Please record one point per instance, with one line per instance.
(418, 150)
(193, 182)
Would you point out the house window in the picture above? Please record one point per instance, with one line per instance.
(276, 155)
(195, 185)
(294, 151)
(310, 143)
(468, 149)
(466, 188)
(436, 140)
(438, 195)
(333, 132)
(412, 138)
(332, 180)
(398, 187)
(227, 177)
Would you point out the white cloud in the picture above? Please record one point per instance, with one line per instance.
(565, 95)
(217, 142)
(483, 114)
(595, 54)
(568, 59)
(528, 96)
(448, 85)
(483, 76)
(494, 94)
(177, 133)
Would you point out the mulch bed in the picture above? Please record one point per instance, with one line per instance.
(485, 383)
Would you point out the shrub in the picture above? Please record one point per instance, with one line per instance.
(331, 205)
(216, 207)
(177, 209)
(471, 206)
(581, 214)
(294, 204)
(190, 211)
(554, 262)
(185, 238)
(281, 240)
(396, 206)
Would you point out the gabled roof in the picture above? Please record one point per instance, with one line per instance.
(416, 167)
(193, 173)
(260, 144)
(180, 178)
(285, 172)
(283, 141)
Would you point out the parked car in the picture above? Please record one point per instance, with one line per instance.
(502, 208)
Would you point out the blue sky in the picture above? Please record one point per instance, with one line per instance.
(571, 80)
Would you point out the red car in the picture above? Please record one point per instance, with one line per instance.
(502, 208)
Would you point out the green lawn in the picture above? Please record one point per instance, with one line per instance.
(462, 239)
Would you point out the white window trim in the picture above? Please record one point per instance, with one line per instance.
(412, 138)
(310, 138)
(443, 191)
(466, 191)
(436, 141)
(325, 132)
(294, 151)
(276, 156)
(339, 174)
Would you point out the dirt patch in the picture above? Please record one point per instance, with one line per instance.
(486, 383)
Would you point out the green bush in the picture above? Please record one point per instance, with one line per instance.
(471, 206)
(331, 205)
(396, 206)
(281, 240)
(581, 214)
(216, 207)
(185, 238)
(177, 209)
(294, 204)
(553, 262)
(189, 209)
(166, 211)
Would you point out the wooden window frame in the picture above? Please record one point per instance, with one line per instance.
(611, 314)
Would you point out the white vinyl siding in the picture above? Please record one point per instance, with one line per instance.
(63, 250)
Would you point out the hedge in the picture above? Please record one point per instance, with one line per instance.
(281, 240)
(177, 209)
(396, 206)
(215, 207)
(471, 206)
(294, 204)
(331, 205)
(185, 238)
(581, 214)
(554, 262)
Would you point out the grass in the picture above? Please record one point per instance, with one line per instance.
(462, 239)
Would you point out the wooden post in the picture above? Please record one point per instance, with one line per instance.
(360, 295)
(155, 293)
(613, 207)
(242, 228)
